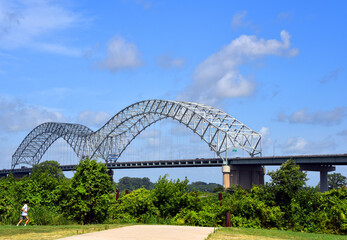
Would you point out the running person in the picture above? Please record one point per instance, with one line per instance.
(25, 209)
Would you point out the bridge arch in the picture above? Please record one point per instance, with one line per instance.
(218, 129)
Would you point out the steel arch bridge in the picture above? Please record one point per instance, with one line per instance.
(218, 129)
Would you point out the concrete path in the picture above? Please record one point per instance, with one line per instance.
(148, 232)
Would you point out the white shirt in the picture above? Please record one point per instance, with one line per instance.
(25, 210)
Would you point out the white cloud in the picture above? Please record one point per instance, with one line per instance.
(332, 117)
(17, 116)
(167, 61)
(266, 139)
(238, 20)
(31, 24)
(120, 55)
(218, 77)
(264, 131)
(298, 145)
(91, 118)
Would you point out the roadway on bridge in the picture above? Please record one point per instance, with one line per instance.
(148, 232)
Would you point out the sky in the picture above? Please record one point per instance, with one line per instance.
(277, 66)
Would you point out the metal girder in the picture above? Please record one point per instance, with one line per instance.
(218, 129)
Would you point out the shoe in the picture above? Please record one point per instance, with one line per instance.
(17, 225)
(25, 225)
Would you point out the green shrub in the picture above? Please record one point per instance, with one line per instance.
(171, 196)
(138, 204)
(88, 197)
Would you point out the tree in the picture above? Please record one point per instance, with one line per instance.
(171, 196)
(47, 169)
(129, 183)
(287, 181)
(336, 180)
(89, 193)
(45, 181)
(204, 187)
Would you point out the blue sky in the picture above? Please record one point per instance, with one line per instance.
(277, 66)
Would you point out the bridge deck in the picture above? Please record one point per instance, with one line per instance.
(332, 159)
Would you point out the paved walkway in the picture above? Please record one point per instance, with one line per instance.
(148, 232)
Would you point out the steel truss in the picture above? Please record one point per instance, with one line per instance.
(219, 130)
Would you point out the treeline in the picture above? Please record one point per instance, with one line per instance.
(133, 183)
(89, 197)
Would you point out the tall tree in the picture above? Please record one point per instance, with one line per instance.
(46, 179)
(336, 180)
(286, 181)
(89, 193)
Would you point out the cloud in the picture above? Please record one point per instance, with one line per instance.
(91, 118)
(120, 55)
(332, 117)
(167, 61)
(32, 24)
(17, 116)
(266, 139)
(333, 75)
(218, 77)
(238, 20)
(298, 145)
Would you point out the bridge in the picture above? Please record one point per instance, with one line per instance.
(220, 131)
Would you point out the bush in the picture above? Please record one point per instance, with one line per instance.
(88, 198)
(42, 215)
(171, 196)
(138, 204)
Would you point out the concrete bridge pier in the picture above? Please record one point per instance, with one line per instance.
(243, 175)
(323, 169)
(110, 173)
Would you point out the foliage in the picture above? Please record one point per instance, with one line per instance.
(88, 197)
(330, 216)
(45, 183)
(171, 196)
(131, 183)
(204, 187)
(284, 203)
(208, 215)
(47, 169)
(286, 181)
(128, 183)
(336, 180)
(248, 210)
(136, 206)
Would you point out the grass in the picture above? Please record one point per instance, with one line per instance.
(263, 234)
(50, 232)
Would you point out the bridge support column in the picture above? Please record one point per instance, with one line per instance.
(110, 173)
(226, 176)
(243, 175)
(323, 180)
(323, 169)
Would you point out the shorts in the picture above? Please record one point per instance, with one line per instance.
(24, 217)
